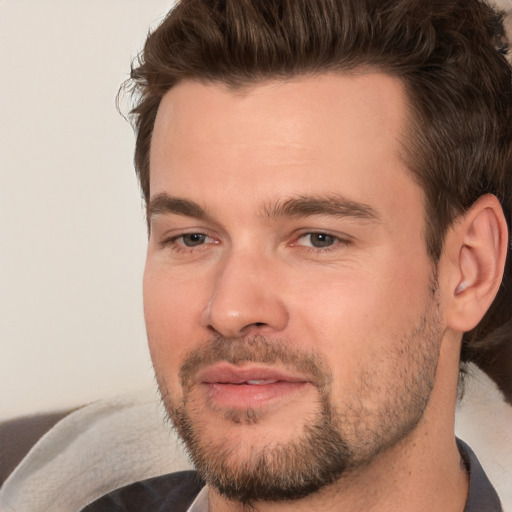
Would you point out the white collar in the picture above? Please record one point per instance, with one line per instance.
(201, 503)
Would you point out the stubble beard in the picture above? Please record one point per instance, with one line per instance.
(333, 444)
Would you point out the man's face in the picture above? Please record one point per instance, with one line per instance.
(289, 299)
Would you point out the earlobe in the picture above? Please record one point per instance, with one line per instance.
(482, 247)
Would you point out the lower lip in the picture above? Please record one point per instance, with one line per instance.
(241, 396)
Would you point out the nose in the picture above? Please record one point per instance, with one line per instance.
(246, 297)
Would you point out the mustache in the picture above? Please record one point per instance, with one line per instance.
(256, 349)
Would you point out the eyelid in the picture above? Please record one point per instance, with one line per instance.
(340, 241)
(343, 237)
(173, 239)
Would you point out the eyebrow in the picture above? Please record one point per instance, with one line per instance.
(332, 205)
(166, 204)
(296, 207)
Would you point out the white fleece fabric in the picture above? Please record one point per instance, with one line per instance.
(92, 451)
(112, 443)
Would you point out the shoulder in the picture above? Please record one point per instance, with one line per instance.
(175, 491)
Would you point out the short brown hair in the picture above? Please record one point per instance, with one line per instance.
(447, 53)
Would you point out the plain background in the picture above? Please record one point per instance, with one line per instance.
(73, 235)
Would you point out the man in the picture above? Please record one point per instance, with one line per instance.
(328, 191)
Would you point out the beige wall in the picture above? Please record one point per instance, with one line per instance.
(73, 236)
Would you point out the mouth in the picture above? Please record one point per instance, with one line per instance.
(249, 386)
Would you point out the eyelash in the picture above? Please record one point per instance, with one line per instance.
(336, 245)
(338, 242)
(173, 244)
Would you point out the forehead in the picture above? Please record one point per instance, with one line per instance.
(319, 134)
(355, 107)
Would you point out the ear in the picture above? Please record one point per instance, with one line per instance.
(477, 245)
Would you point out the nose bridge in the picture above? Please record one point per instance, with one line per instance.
(245, 296)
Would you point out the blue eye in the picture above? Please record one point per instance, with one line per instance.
(193, 239)
(320, 240)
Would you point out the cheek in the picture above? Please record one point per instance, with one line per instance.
(172, 313)
(355, 319)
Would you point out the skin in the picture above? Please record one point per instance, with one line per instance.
(238, 154)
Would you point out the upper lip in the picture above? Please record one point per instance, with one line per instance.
(227, 373)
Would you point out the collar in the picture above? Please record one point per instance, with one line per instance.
(201, 503)
(481, 493)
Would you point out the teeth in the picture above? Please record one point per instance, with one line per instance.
(261, 382)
